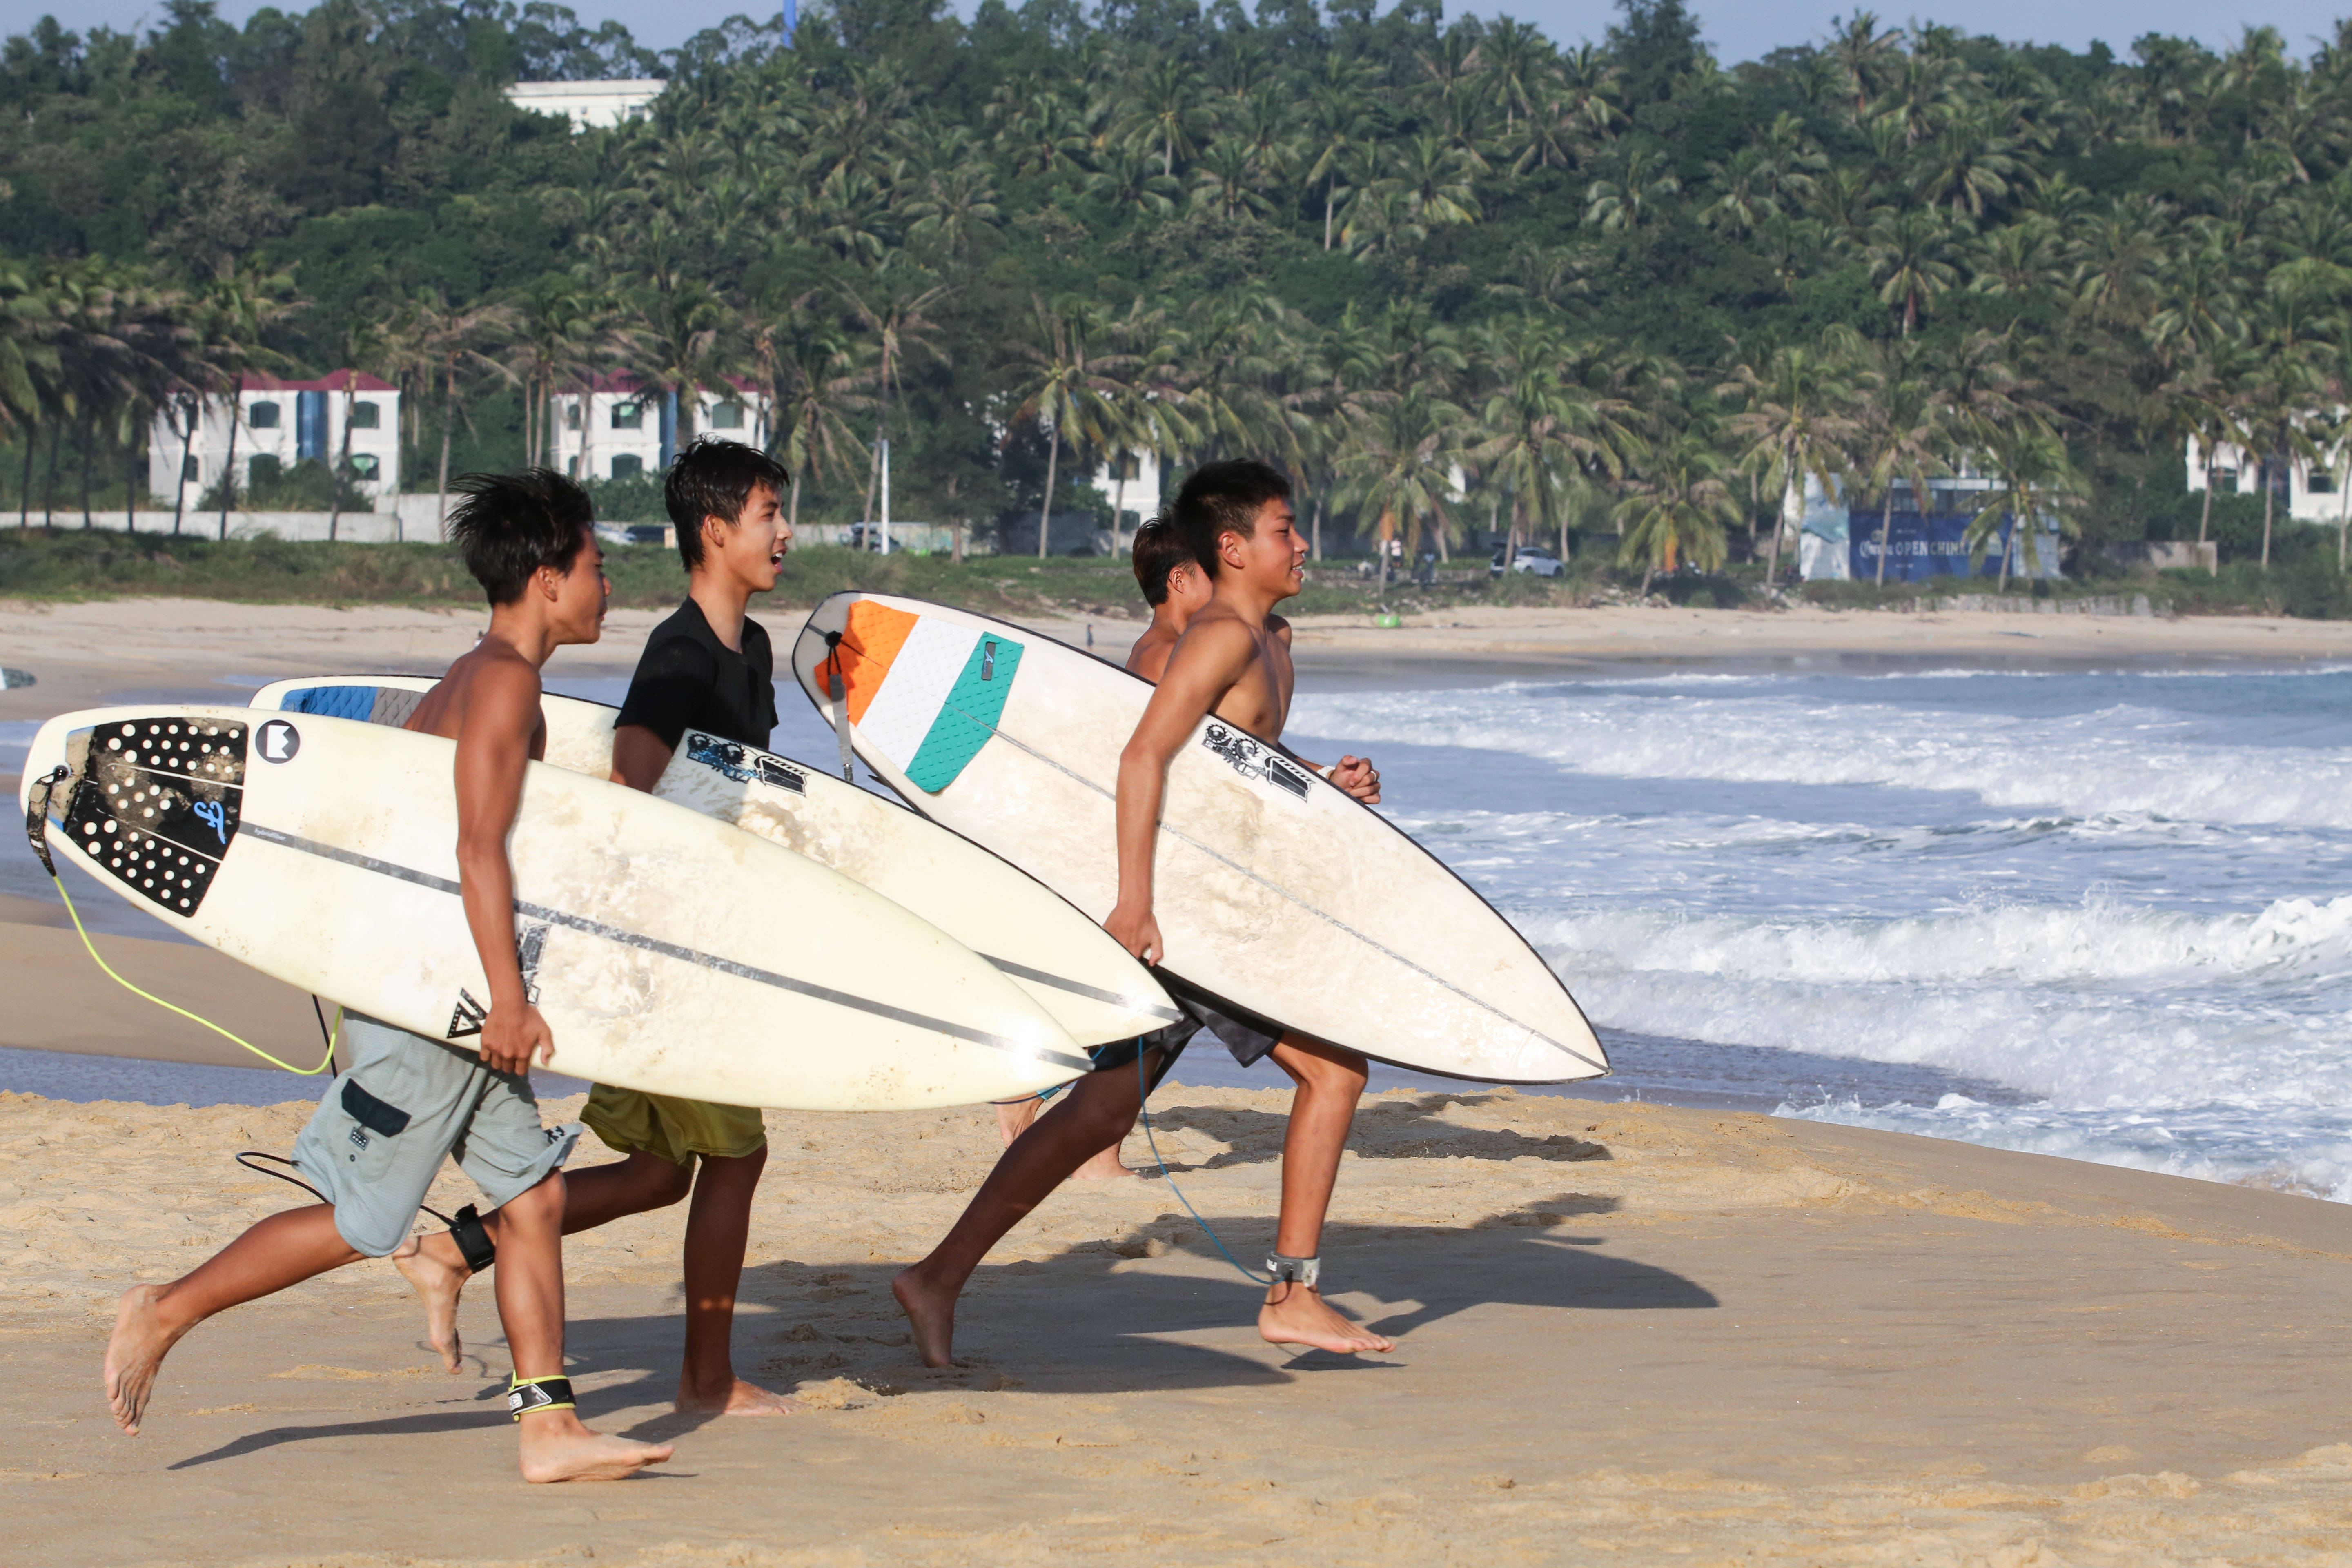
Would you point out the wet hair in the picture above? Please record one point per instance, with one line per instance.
(1158, 552)
(510, 525)
(1220, 499)
(715, 479)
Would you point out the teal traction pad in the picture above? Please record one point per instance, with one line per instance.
(968, 718)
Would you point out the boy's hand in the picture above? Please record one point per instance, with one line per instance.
(512, 1034)
(1359, 778)
(1134, 928)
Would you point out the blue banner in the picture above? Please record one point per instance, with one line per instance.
(1936, 546)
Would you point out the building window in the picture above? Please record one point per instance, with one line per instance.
(626, 467)
(190, 469)
(571, 414)
(366, 466)
(2225, 479)
(2320, 483)
(727, 416)
(628, 415)
(262, 416)
(367, 417)
(571, 465)
(262, 471)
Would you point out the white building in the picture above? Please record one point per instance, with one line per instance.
(598, 105)
(619, 429)
(279, 424)
(2310, 491)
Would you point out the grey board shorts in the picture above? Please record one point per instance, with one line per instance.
(1248, 1036)
(406, 1103)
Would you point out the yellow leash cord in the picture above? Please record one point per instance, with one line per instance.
(323, 1065)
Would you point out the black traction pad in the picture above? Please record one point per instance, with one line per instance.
(157, 805)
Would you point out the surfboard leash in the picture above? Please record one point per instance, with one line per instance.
(37, 824)
(1143, 1110)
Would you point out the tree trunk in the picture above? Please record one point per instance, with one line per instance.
(2343, 509)
(1315, 532)
(1045, 513)
(179, 483)
(2205, 516)
(1646, 574)
(25, 494)
(1330, 187)
(2270, 498)
(448, 428)
(1885, 527)
(342, 462)
(88, 435)
(49, 490)
(1772, 551)
(2008, 555)
(793, 516)
(228, 473)
(1117, 506)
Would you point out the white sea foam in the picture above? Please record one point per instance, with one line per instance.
(2116, 759)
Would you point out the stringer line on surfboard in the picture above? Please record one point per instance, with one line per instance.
(670, 949)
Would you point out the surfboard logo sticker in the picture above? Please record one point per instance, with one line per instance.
(743, 764)
(924, 692)
(279, 741)
(1253, 760)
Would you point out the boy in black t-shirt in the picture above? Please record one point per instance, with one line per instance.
(709, 667)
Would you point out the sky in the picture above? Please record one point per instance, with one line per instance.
(1738, 29)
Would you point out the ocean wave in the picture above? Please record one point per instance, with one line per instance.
(2118, 760)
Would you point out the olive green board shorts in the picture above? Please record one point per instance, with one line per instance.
(406, 1104)
(631, 1121)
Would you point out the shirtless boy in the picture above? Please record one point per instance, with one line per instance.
(1232, 658)
(1175, 586)
(709, 667)
(407, 1102)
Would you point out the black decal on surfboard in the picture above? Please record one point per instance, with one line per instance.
(1252, 760)
(742, 764)
(279, 741)
(467, 1017)
(156, 806)
(528, 947)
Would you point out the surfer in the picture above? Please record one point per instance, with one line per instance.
(406, 1103)
(1175, 586)
(1233, 659)
(709, 667)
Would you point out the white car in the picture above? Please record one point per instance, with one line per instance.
(1532, 558)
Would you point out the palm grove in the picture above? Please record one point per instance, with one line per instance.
(1457, 278)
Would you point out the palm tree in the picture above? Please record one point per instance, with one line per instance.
(1546, 430)
(895, 305)
(1907, 252)
(2036, 481)
(1677, 510)
(1797, 423)
(456, 343)
(1397, 463)
(1906, 428)
(2276, 414)
(1064, 393)
(811, 373)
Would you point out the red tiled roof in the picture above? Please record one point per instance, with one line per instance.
(333, 381)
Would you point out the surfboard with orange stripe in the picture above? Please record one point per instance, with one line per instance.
(1274, 891)
(923, 691)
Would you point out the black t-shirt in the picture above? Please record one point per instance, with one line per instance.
(686, 678)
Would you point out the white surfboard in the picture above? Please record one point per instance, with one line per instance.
(322, 852)
(1275, 891)
(1067, 963)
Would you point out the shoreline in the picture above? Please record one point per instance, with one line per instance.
(82, 654)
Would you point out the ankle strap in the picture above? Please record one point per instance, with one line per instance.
(1300, 1270)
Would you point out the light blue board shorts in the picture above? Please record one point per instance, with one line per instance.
(406, 1103)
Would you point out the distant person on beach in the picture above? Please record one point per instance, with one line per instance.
(1233, 659)
(709, 667)
(406, 1102)
(1175, 586)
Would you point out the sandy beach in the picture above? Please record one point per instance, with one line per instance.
(1625, 1333)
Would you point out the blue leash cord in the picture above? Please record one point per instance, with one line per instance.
(1143, 1108)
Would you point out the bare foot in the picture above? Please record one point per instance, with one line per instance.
(740, 1399)
(932, 1312)
(557, 1447)
(1014, 1117)
(1296, 1315)
(437, 1279)
(1105, 1167)
(133, 1354)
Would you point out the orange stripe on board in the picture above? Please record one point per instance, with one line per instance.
(869, 643)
